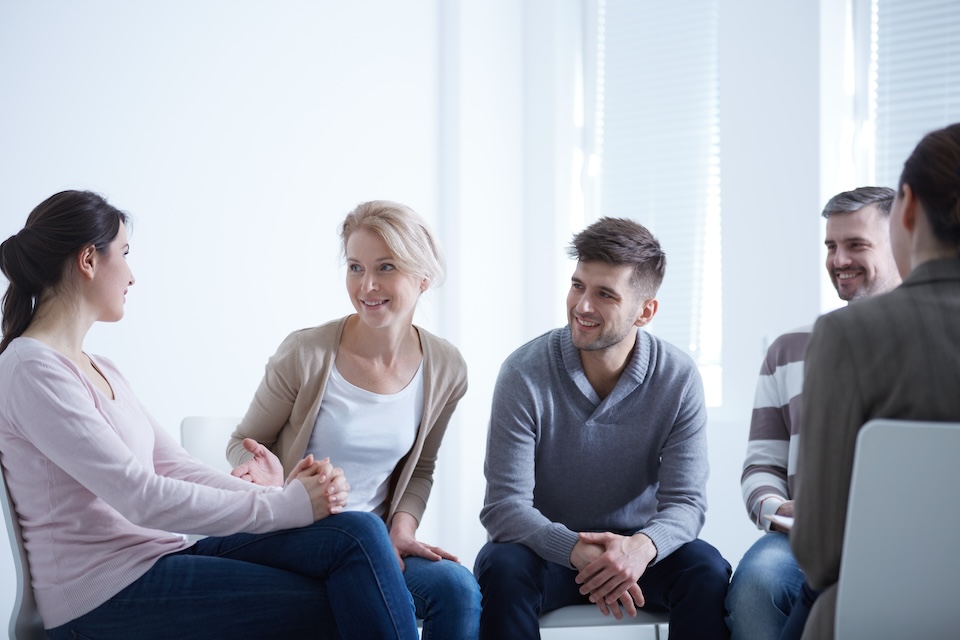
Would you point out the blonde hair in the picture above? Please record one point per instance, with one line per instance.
(405, 233)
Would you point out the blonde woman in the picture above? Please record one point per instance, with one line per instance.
(373, 393)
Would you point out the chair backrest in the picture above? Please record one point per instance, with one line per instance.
(25, 623)
(900, 561)
(205, 438)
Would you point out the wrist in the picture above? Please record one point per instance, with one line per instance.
(403, 525)
(645, 547)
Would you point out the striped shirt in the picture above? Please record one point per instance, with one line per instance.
(771, 460)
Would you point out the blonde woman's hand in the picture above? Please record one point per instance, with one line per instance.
(403, 538)
(263, 468)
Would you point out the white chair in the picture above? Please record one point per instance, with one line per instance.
(588, 615)
(25, 623)
(900, 560)
(205, 438)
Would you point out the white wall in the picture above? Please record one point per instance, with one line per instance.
(238, 134)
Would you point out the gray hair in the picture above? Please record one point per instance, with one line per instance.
(853, 201)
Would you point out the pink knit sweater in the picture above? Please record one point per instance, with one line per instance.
(98, 484)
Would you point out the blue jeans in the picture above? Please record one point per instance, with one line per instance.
(337, 578)
(764, 589)
(447, 597)
(518, 585)
(793, 630)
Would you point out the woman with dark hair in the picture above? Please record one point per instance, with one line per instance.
(97, 483)
(374, 393)
(896, 356)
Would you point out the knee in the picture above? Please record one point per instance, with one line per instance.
(506, 565)
(707, 568)
(365, 528)
(768, 568)
(456, 583)
(751, 583)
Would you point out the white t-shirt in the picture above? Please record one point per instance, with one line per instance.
(366, 434)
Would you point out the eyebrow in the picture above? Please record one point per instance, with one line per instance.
(387, 259)
(851, 239)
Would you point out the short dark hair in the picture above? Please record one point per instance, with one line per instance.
(853, 201)
(620, 241)
(34, 259)
(933, 173)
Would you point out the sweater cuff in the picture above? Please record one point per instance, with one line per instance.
(558, 545)
(663, 539)
(768, 506)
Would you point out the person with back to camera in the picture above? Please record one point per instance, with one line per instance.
(97, 483)
(768, 584)
(374, 393)
(893, 356)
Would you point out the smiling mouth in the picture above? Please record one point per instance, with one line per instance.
(373, 304)
(846, 275)
(586, 323)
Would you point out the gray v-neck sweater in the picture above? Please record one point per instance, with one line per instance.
(560, 460)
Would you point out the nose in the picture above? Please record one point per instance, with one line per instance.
(370, 280)
(841, 258)
(583, 304)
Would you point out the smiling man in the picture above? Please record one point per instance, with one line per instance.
(597, 459)
(859, 257)
(768, 583)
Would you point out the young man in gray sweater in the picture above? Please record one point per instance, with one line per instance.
(596, 460)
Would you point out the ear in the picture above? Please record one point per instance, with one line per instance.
(87, 262)
(424, 285)
(909, 206)
(647, 310)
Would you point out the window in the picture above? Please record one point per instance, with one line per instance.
(912, 77)
(654, 155)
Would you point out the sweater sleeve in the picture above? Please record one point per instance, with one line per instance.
(764, 479)
(172, 460)
(684, 468)
(58, 413)
(508, 512)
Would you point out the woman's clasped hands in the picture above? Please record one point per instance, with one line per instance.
(325, 484)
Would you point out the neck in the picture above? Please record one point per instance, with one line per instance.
(604, 367)
(927, 254)
(61, 326)
(386, 344)
(924, 243)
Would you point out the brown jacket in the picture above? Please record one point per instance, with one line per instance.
(285, 408)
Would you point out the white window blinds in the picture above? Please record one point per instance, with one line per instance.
(657, 82)
(917, 76)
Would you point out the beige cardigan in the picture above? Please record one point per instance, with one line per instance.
(285, 408)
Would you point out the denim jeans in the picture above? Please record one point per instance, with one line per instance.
(447, 597)
(337, 578)
(764, 589)
(518, 585)
(797, 621)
